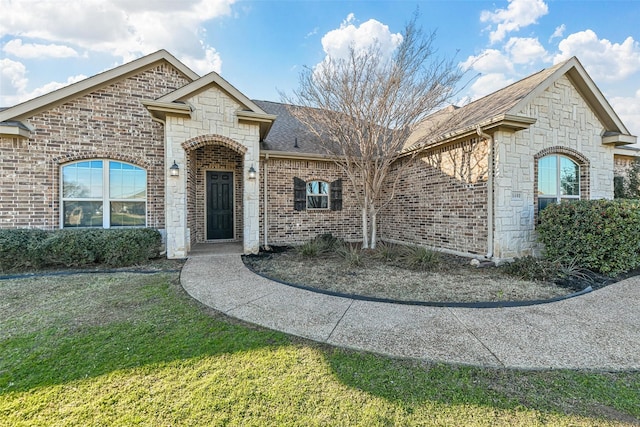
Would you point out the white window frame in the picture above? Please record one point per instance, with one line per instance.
(327, 195)
(558, 197)
(105, 199)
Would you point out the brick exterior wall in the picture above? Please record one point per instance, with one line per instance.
(440, 199)
(110, 123)
(288, 226)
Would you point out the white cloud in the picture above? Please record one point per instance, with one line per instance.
(559, 32)
(18, 49)
(489, 61)
(336, 43)
(487, 84)
(628, 108)
(14, 83)
(211, 62)
(122, 28)
(13, 79)
(603, 59)
(526, 50)
(519, 14)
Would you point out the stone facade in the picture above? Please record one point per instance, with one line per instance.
(565, 124)
(287, 226)
(213, 122)
(440, 199)
(107, 123)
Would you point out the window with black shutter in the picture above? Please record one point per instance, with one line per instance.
(336, 195)
(317, 195)
(299, 194)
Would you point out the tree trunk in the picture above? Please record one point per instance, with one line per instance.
(365, 229)
(374, 229)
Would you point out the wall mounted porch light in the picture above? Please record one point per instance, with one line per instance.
(174, 170)
(252, 173)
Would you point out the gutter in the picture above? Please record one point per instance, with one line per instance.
(490, 214)
(265, 204)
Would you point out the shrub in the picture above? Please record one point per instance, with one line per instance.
(22, 249)
(19, 248)
(351, 254)
(320, 244)
(129, 246)
(419, 258)
(532, 268)
(387, 252)
(599, 235)
(70, 248)
(308, 249)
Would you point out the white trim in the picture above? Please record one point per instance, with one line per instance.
(29, 108)
(105, 199)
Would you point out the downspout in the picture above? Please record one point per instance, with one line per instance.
(491, 166)
(265, 204)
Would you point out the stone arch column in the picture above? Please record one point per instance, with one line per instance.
(178, 233)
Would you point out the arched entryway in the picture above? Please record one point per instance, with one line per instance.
(215, 189)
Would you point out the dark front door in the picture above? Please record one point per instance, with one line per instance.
(219, 205)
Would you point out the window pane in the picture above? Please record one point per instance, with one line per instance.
(317, 202)
(82, 214)
(543, 202)
(569, 177)
(128, 214)
(317, 187)
(547, 175)
(82, 180)
(127, 181)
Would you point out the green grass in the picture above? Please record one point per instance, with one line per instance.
(133, 349)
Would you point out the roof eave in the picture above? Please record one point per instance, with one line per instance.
(264, 120)
(12, 131)
(619, 139)
(34, 106)
(159, 110)
(508, 122)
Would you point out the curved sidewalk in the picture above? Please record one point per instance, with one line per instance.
(599, 330)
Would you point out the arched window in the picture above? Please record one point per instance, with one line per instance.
(103, 193)
(558, 180)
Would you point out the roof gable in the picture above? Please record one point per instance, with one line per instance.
(503, 109)
(173, 102)
(587, 88)
(57, 97)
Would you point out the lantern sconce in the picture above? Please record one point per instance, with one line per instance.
(174, 170)
(252, 172)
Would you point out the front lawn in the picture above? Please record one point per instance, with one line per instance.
(134, 349)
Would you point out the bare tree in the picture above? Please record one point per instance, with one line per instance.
(364, 107)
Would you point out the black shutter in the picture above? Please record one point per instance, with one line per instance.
(299, 194)
(336, 195)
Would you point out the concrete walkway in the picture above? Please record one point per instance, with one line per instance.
(599, 330)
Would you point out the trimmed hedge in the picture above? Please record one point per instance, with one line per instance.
(27, 249)
(600, 235)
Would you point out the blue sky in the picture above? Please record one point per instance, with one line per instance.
(260, 46)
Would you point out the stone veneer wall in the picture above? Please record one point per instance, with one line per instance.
(440, 199)
(215, 158)
(213, 122)
(565, 125)
(288, 226)
(109, 122)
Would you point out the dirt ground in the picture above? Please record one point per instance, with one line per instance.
(453, 280)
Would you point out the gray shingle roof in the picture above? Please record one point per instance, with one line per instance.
(287, 133)
(453, 119)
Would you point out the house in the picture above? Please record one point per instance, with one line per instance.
(151, 143)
